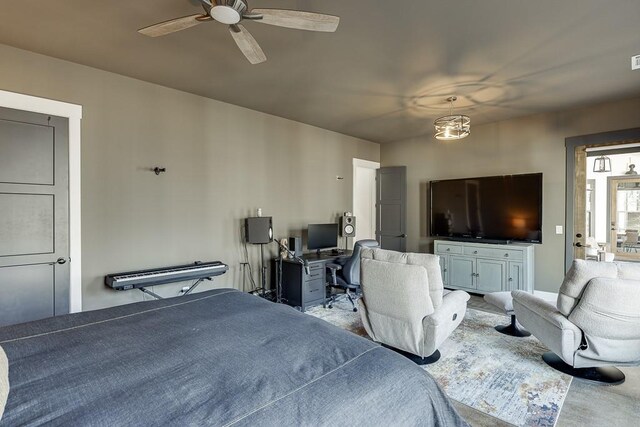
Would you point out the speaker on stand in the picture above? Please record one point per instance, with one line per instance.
(347, 227)
(259, 231)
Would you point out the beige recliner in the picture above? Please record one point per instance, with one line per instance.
(596, 323)
(402, 304)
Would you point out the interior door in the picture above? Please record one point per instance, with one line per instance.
(34, 216)
(391, 208)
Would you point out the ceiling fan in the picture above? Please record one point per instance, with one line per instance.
(231, 12)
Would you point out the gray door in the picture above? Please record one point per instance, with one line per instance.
(391, 208)
(34, 216)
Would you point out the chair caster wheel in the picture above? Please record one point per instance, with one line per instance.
(355, 310)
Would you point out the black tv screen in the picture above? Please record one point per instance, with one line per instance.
(503, 208)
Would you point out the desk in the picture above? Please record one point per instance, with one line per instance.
(306, 290)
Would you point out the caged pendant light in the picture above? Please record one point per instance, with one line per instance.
(453, 126)
(602, 164)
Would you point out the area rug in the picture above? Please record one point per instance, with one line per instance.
(499, 375)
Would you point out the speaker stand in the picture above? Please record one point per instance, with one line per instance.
(262, 269)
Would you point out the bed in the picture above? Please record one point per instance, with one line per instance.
(220, 357)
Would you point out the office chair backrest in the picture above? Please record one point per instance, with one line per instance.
(351, 269)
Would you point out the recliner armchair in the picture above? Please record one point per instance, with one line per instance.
(596, 323)
(403, 305)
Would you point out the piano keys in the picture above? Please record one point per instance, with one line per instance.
(158, 276)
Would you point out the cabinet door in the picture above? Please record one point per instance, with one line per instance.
(491, 275)
(461, 272)
(444, 269)
(516, 276)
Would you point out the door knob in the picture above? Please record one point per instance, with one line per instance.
(61, 261)
(578, 245)
(402, 235)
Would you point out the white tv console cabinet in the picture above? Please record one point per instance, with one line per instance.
(484, 267)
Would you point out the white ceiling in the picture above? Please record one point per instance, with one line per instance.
(383, 76)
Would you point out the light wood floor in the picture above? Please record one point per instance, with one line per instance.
(585, 404)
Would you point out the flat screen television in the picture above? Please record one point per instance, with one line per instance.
(322, 236)
(495, 208)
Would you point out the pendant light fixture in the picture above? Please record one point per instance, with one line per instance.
(453, 126)
(602, 164)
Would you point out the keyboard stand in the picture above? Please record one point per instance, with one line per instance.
(187, 292)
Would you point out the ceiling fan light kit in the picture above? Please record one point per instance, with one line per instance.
(231, 12)
(453, 126)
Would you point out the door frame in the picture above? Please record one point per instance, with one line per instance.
(73, 113)
(367, 164)
(576, 152)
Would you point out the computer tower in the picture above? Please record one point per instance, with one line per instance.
(347, 226)
(258, 230)
(295, 245)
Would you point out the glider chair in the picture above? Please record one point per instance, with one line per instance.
(596, 324)
(402, 305)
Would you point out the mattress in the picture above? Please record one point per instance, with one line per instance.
(221, 357)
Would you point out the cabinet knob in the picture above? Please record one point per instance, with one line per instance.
(511, 279)
(475, 252)
(448, 249)
(445, 270)
(506, 255)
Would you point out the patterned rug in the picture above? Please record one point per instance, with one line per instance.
(496, 374)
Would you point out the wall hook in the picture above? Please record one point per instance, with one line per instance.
(158, 170)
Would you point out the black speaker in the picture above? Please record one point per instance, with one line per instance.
(295, 245)
(347, 226)
(258, 230)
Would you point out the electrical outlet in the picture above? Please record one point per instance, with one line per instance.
(635, 62)
(558, 229)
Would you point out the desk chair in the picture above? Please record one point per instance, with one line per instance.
(346, 275)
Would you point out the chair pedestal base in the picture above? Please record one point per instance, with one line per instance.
(604, 375)
(417, 359)
(513, 329)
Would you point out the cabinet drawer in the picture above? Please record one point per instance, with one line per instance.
(506, 254)
(444, 248)
(313, 289)
(316, 272)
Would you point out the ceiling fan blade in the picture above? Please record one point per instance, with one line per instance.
(247, 44)
(297, 19)
(174, 25)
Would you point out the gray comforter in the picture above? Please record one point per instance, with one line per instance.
(214, 358)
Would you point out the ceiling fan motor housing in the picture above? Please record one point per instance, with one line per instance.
(228, 11)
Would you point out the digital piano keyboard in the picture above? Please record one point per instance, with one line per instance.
(158, 276)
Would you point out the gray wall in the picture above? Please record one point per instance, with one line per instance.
(529, 144)
(222, 163)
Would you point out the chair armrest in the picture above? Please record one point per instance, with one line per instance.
(444, 320)
(451, 303)
(542, 308)
(334, 267)
(609, 308)
(547, 324)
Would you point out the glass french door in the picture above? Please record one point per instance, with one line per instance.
(624, 213)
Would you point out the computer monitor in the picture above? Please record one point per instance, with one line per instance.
(322, 236)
